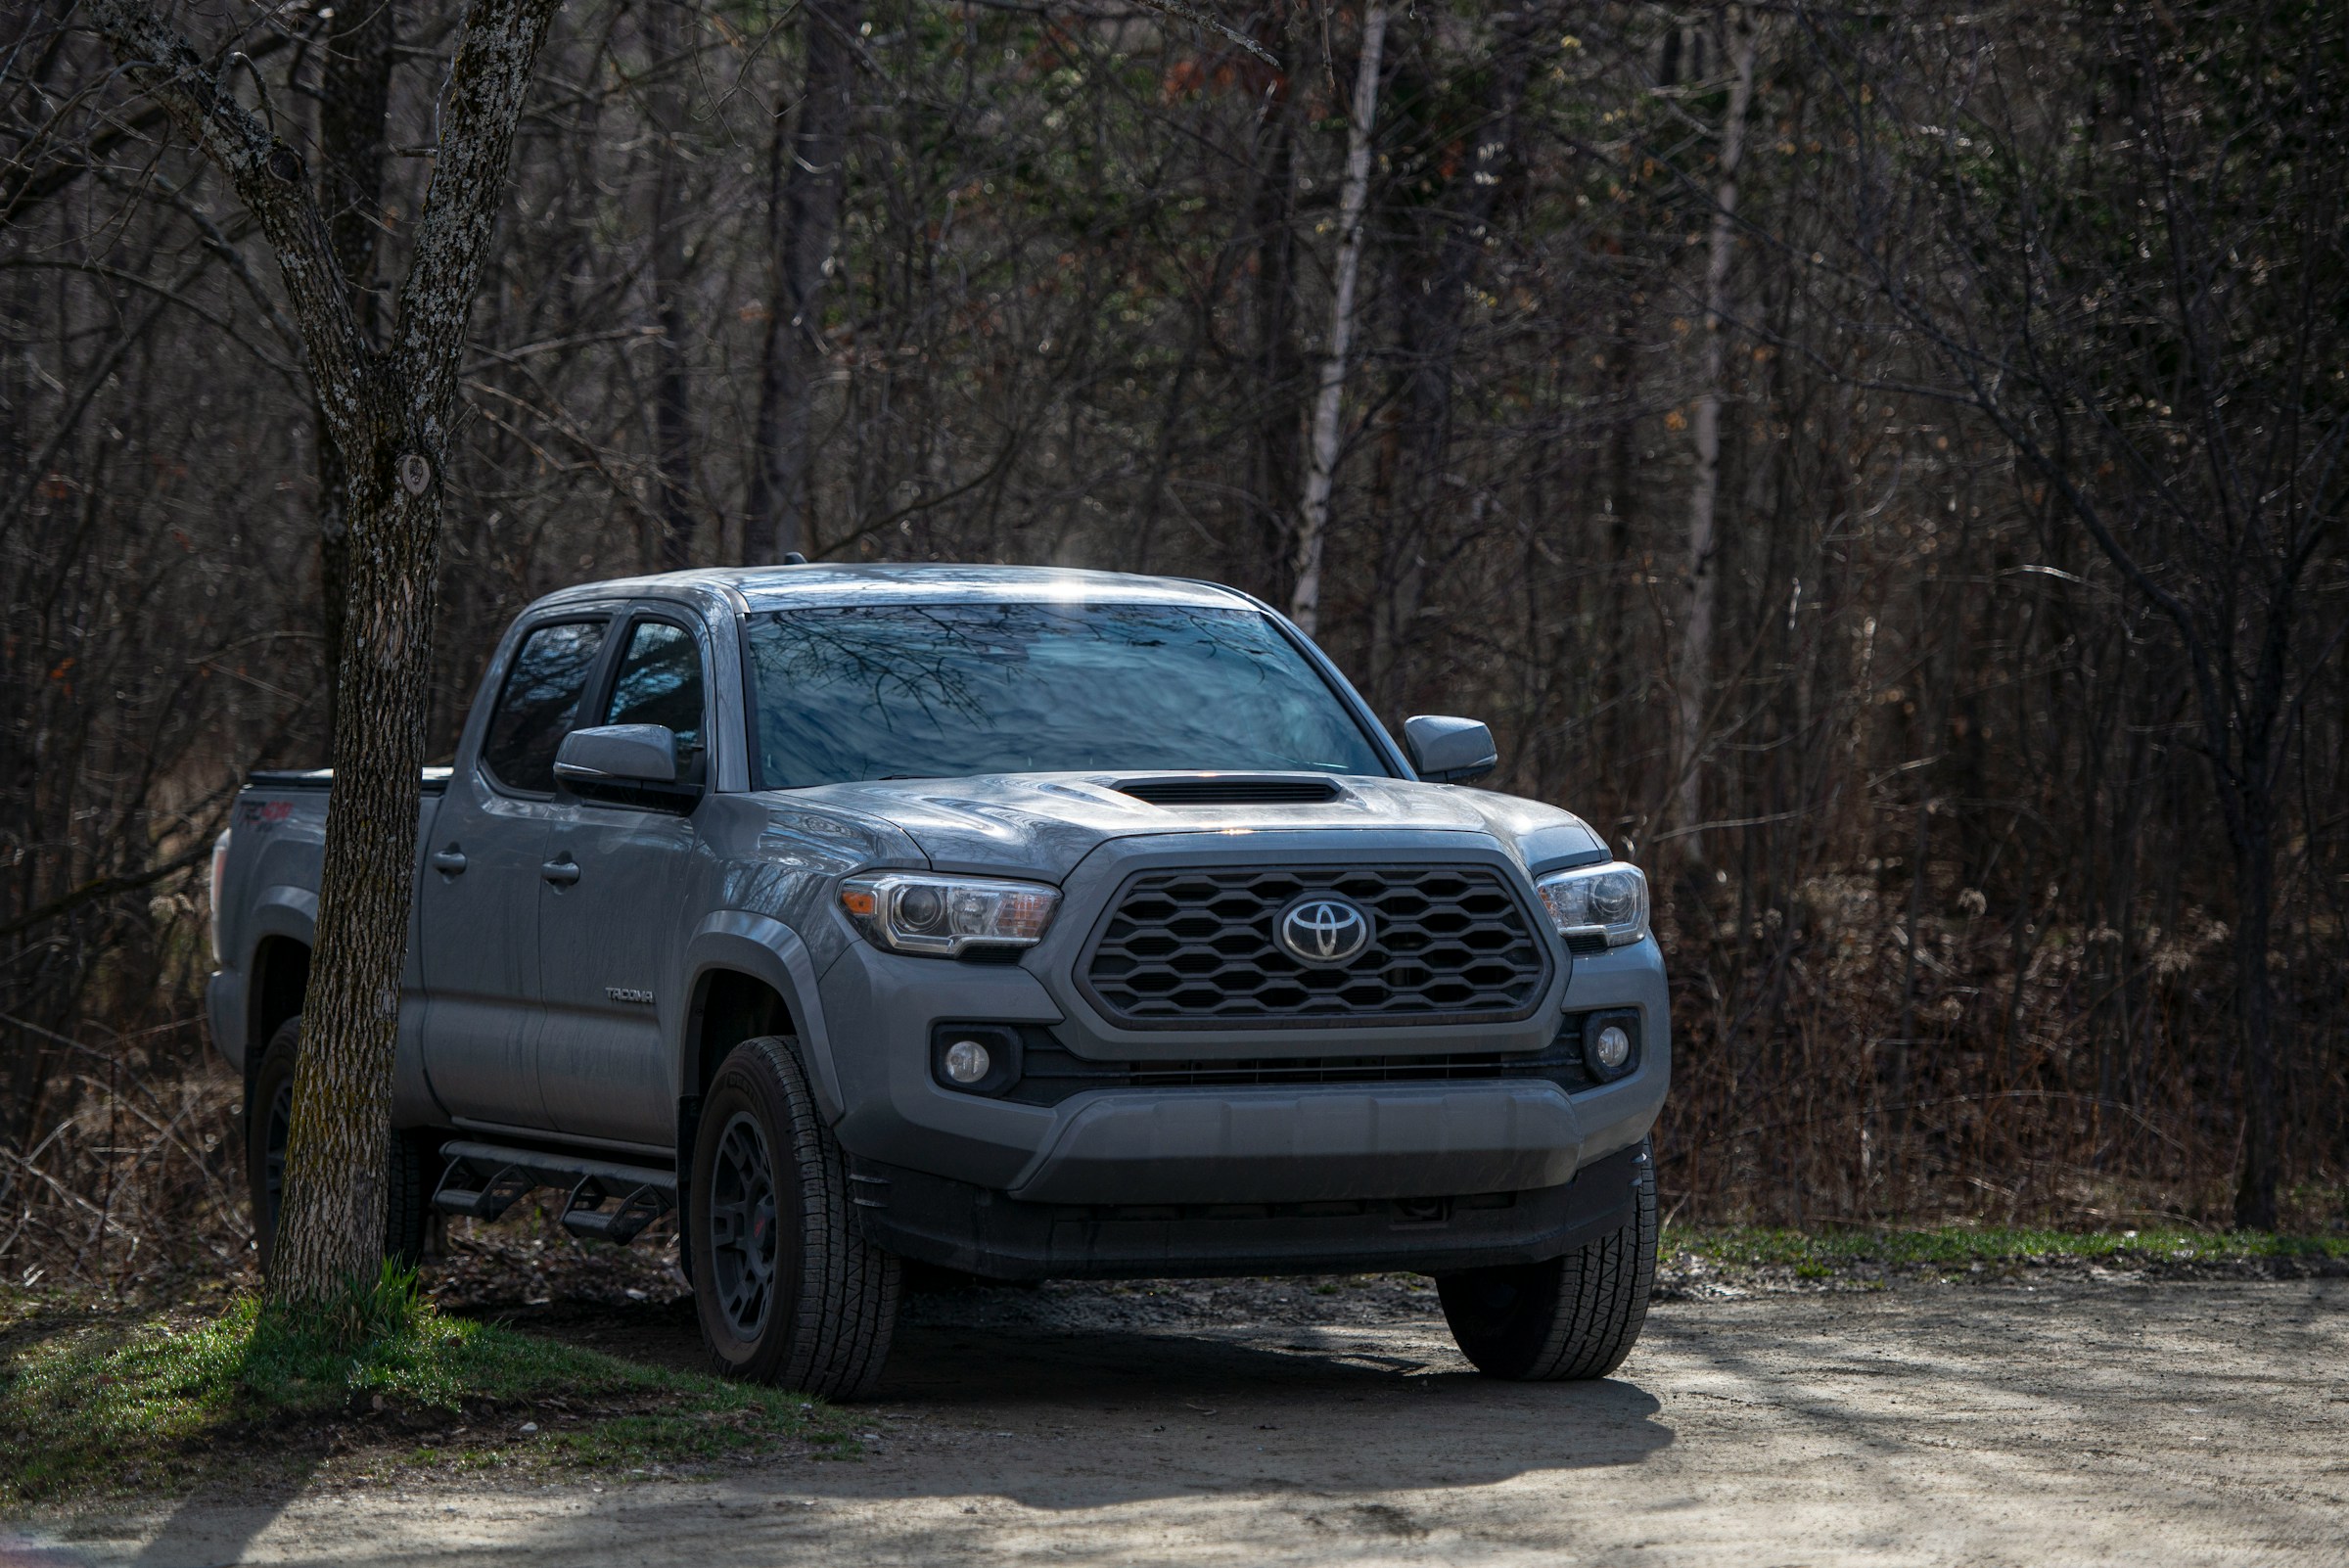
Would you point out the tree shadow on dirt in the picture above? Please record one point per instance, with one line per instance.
(1100, 1412)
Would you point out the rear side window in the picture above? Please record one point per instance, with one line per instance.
(540, 703)
(660, 682)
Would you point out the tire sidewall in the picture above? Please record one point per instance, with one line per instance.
(276, 1070)
(1573, 1316)
(745, 1085)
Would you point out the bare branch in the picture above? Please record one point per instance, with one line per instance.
(1198, 17)
(270, 178)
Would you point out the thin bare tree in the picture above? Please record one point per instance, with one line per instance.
(807, 174)
(353, 94)
(1694, 665)
(1321, 460)
(672, 375)
(392, 415)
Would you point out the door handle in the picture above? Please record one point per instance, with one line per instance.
(450, 861)
(561, 873)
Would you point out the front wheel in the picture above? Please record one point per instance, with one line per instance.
(787, 1288)
(1574, 1316)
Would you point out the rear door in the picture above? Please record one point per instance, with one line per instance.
(479, 883)
(609, 938)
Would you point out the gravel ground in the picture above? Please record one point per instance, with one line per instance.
(2073, 1416)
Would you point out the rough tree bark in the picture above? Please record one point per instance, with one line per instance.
(1321, 462)
(355, 91)
(389, 414)
(807, 169)
(1697, 629)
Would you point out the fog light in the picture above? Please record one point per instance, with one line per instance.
(1612, 1048)
(966, 1061)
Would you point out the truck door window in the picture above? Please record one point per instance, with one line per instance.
(540, 703)
(660, 682)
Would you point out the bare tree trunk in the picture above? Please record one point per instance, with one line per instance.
(1697, 632)
(808, 172)
(391, 417)
(672, 379)
(1438, 274)
(352, 97)
(2255, 1005)
(1312, 513)
(1260, 553)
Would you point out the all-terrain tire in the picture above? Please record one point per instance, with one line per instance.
(787, 1288)
(407, 1167)
(1575, 1316)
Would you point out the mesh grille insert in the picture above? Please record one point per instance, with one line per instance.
(1194, 948)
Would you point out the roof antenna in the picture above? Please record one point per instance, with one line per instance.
(794, 558)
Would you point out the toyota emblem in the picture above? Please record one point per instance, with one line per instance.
(1321, 929)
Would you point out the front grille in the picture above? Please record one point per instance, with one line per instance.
(1194, 948)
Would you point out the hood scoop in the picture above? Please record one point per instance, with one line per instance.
(1231, 789)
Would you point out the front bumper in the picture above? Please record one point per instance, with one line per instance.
(958, 1226)
(1326, 1143)
(1212, 1145)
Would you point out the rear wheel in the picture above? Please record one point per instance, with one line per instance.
(1575, 1316)
(270, 1111)
(787, 1288)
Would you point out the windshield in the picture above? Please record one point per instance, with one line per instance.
(939, 691)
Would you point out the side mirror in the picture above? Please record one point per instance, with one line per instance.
(1445, 749)
(626, 763)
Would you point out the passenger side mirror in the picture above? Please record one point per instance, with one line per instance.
(1446, 750)
(628, 765)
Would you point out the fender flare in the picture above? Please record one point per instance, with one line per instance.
(767, 950)
(284, 910)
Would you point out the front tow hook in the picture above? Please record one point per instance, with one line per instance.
(561, 873)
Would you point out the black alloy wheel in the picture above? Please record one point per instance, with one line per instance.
(278, 1116)
(742, 1227)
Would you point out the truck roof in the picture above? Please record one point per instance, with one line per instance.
(781, 588)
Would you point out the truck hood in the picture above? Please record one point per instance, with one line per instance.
(1041, 824)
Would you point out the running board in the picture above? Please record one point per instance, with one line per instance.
(607, 1202)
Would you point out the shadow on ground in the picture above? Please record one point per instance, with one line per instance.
(1172, 1407)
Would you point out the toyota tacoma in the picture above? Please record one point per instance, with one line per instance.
(1026, 923)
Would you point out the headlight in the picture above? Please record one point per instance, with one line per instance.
(941, 916)
(1606, 903)
(212, 891)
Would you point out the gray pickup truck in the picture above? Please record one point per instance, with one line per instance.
(1031, 923)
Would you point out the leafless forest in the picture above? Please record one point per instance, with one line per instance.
(1883, 466)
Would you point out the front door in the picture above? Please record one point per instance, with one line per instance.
(608, 936)
(477, 906)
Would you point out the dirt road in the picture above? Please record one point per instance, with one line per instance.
(2080, 1422)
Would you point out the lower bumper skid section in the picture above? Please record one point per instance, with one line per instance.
(958, 1226)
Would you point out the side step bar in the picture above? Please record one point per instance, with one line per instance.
(607, 1202)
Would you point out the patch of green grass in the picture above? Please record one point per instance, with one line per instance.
(1817, 1254)
(110, 1402)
